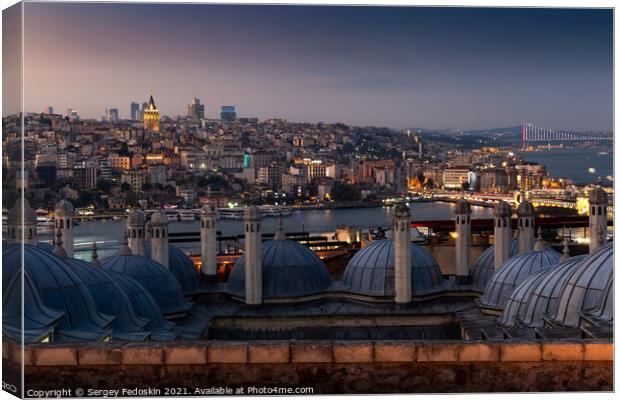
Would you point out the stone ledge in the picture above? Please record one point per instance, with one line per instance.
(562, 351)
(388, 352)
(15, 354)
(142, 355)
(438, 352)
(228, 353)
(516, 352)
(269, 354)
(479, 352)
(185, 355)
(598, 352)
(55, 356)
(99, 356)
(311, 353)
(353, 353)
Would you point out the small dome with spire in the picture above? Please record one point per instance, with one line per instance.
(401, 210)
(502, 209)
(137, 218)
(208, 209)
(252, 212)
(159, 218)
(64, 207)
(514, 271)
(597, 196)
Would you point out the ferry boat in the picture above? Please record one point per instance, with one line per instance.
(275, 211)
(231, 213)
(186, 215)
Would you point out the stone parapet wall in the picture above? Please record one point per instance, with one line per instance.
(327, 367)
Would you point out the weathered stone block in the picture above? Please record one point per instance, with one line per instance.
(562, 352)
(311, 353)
(268, 353)
(598, 352)
(5, 349)
(347, 353)
(55, 356)
(142, 355)
(15, 354)
(99, 356)
(229, 353)
(186, 355)
(391, 352)
(479, 352)
(438, 352)
(520, 352)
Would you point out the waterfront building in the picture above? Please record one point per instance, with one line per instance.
(456, 177)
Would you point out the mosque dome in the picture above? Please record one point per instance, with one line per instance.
(64, 207)
(525, 209)
(536, 296)
(289, 269)
(514, 271)
(39, 320)
(585, 287)
(146, 307)
(182, 267)
(155, 278)
(604, 313)
(597, 196)
(60, 289)
(112, 300)
(484, 267)
(371, 271)
(21, 210)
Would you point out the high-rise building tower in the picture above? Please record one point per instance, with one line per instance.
(228, 113)
(113, 114)
(135, 111)
(151, 116)
(195, 109)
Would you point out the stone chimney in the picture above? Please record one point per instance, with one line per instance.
(253, 257)
(401, 234)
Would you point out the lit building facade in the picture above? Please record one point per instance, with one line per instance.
(151, 116)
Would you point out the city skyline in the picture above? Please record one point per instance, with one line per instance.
(464, 68)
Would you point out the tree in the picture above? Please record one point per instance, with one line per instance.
(344, 192)
(465, 186)
(146, 187)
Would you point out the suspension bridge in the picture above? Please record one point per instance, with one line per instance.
(534, 133)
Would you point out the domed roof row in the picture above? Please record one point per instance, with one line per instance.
(73, 300)
(564, 293)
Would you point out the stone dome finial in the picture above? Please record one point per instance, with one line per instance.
(502, 209)
(252, 213)
(137, 218)
(64, 207)
(124, 250)
(58, 249)
(540, 245)
(462, 207)
(401, 210)
(94, 257)
(208, 210)
(598, 196)
(525, 209)
(159, 218)
(280, 231)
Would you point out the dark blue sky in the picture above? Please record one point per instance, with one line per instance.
(400, 67)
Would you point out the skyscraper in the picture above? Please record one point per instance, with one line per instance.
(113, 114)
(151, 116)
(144, 105)
(195, 109)
(228, 113)
(50, 110)
(135, 111)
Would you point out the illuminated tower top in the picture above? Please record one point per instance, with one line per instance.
(151, 116)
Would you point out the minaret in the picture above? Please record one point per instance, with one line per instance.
(525, 212)
(22, 223)
(136, 232)
(279, 235)
(401, 234)
(253, 257)
(158, 229)
(208, 241)
(64, 222)
(463, 241)
(565, 253)
(598, 218)
(503, 233)
(124, 250)
(94, 258)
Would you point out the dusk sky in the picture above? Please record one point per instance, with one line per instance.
(397, 67)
